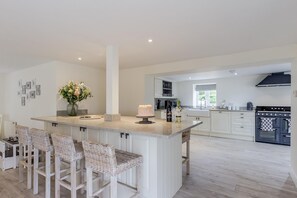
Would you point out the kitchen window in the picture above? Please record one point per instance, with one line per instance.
(204, 95)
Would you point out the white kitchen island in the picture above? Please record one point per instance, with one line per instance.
(159, 143)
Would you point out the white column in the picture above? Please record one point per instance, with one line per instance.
(112, 83)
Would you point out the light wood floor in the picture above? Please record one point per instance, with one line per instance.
(219, 168)
(239, 169)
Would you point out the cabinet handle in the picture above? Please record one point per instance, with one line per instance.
(242, 114)
(242, 127)
(198, 118)
(126, 135)
(83, 129)
(241, 117)
(54, 124)
(122, 135)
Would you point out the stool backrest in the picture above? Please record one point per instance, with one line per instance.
(41, 139)
(23, 135)
(64, 146)
(100, 157)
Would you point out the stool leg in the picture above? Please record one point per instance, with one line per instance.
(29, 168)
(48, 174)
(57, 176)
(73, 179)
(35, 174)
(89, 182)
(139, 179)
(188, 156)
(113, 187)
(21, 167)
(82, 166)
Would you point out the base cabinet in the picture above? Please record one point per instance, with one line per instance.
(220, 122)
(202, 129)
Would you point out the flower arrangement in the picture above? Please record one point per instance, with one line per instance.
(75, 92)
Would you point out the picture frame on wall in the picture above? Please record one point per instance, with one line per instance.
(38, 90)
(23, 101)
(24, 89)
(32, 94)
(34, 83)
(20, 83)
(28, 85)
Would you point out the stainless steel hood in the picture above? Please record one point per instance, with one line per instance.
(276, 80)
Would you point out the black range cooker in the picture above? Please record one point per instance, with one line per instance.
(273, 124)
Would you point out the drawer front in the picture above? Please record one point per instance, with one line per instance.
(243, 114)
(243, 120)
(242, 129)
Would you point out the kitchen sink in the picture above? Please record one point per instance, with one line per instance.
(198, 112)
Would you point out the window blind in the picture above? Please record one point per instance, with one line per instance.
(205, 87)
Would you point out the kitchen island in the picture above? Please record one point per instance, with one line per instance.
(159, 143)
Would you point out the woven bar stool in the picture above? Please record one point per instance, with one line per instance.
(41, 142)
(25, 154)
(66, 150)
(105, 159)
(186, 159)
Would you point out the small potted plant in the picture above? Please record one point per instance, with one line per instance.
(74, 93)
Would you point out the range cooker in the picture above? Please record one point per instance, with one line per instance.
(273, 124)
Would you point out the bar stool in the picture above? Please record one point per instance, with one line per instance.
(25, 154)
(66, 150)
(106, 159)
(186, 159)
(41, 142)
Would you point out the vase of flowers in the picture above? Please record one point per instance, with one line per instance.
(178, 111)
(74, 93)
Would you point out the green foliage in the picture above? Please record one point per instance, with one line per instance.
(75, 92)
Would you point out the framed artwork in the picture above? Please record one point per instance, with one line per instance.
(38, 90)
(24, 89)
(28, 85)
(32, 94)
(33, 83)
(23, 101)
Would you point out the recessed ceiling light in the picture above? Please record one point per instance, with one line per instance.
(235, 73)
(79, 58)
(150, 40)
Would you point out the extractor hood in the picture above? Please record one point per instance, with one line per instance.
(276, 80)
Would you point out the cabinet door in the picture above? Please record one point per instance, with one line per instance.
(158, 88)
(58, 128)
(190, 118)
(205, 126)
(220, 122)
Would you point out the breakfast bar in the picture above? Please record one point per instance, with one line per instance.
(160, 144)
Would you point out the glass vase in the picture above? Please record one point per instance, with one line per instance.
(72, 109)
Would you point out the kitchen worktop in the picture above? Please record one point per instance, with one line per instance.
(127, 124)
(240, 110)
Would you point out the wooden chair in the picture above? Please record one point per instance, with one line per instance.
(41, 142)
(66, 150)
(107, 160)
(25, 154)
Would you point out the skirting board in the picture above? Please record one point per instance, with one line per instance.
(294, 176)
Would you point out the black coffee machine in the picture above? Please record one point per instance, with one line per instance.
(249, 106)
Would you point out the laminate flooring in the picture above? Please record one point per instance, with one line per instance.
(237, 169)
(220, 168)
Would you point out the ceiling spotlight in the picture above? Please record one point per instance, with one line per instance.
(79, 58)
(150, 40)
(233, 72)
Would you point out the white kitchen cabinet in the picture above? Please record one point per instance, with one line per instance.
(202, 128)
(220, 122)
(158, 88)
(243, 123)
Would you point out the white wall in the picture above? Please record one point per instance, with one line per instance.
(42, 105)
(51, 76)
(294, 122)
(238, 91)
(2, 93)
(93, 78)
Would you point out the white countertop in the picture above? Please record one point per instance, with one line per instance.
(127, 124)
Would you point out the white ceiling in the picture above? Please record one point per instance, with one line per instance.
(257, 70)
(34, 31)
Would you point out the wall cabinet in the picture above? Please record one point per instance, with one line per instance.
(159, 89)
(220, 122)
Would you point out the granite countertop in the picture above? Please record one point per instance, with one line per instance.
(127, 124)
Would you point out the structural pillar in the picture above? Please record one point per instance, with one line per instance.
(112, 83)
